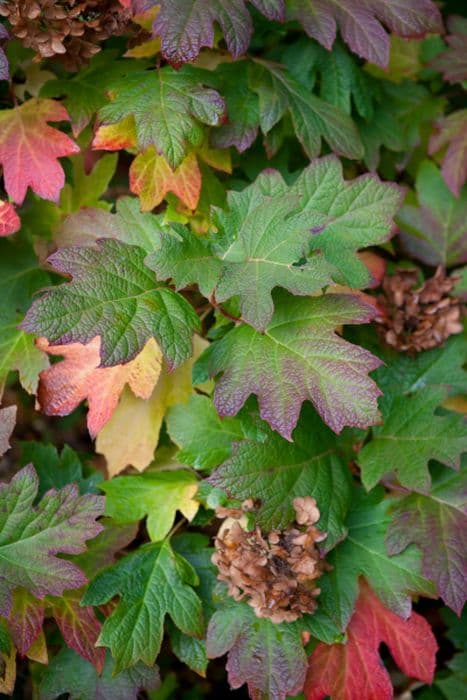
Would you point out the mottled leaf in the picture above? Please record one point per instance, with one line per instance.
(453, 62)
(452, 131)
(151, 178)
(9, 219)
(7, 425)
(32, 536)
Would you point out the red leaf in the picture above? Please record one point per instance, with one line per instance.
(26, 619)
(354, 671)
(29, 149)
(9, 219)
(79, 626)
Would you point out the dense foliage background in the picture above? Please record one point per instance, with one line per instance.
(232, 238)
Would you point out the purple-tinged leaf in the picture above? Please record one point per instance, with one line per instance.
(435, 231)
(361, 24)
(185, 27)
(452, 131)
(31, 537)
(268, 657)
(299, 357)
(26, 620)
(4, 67)
(453, 62)
(437, 523)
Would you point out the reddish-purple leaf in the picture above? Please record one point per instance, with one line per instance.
(185, 27)
(452, 131)
(361, 23)
(79, 626)
(437, 523)
(453, 62)
(26, 619)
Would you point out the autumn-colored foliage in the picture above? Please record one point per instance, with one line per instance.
(233, 238)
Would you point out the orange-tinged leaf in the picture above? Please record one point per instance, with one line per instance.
(29, 149)
(151, 177)
(114, 137)
(9, 219)
(78, 377)
(132, 434)
(354, 670)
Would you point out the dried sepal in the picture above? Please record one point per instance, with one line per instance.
(277, 571)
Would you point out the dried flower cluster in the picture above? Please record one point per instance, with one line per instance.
(275, 572)
(65, 27)
(418, 318)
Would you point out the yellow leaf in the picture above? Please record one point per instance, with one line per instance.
(38, 650)
(132, 433)
(114, 137)
(8, 671)
(151, 177)
(457, 404)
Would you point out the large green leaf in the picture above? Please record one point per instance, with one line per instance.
(114, 295)
(152, 582)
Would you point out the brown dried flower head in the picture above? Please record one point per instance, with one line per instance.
(67, 28)
(275, 572)
(415, 317)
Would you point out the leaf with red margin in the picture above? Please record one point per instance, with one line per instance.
(437, 523)
(151, 178)
(32, 536)
(9, 219)
(185, 27)
(29, 149)
(65, 384)
(361, 24)
(453, 62)
(354, 671)
(452, 131)
(299, 357)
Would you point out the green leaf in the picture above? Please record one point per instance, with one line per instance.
(268, 657)
(276, 471)
(363, 553)
(114, 295)
(410, 436)
(70, 673)
(169, 108)
(437, 523)
(189, 650)
(298, 358)
(19, 352)
(312, 117)
(85, 92)
(57, 470)
(20, 275)
(157, 495)
(152, 582)
(205, 439)
(32, 536)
